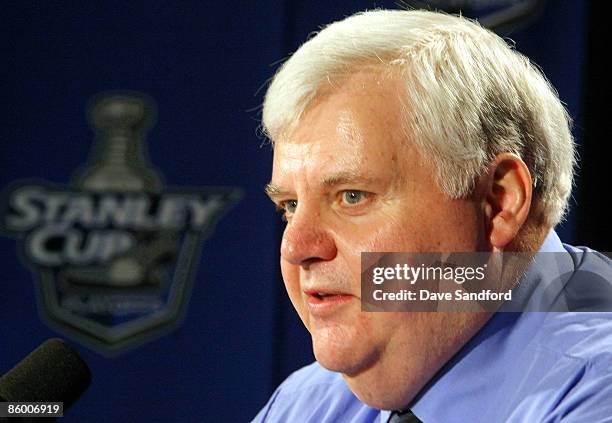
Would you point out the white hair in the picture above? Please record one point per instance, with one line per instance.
(468, 97)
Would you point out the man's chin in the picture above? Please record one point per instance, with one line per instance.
(335, 362)
(381, 395)
(343, 358)
(365, 375)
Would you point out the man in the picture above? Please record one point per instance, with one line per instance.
(413, 131)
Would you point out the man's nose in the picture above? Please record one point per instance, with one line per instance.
(306, 240)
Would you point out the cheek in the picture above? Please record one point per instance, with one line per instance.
(291, 278)
(456, 227)
(447, 225)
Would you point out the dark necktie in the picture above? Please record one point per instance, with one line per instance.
(403, 417)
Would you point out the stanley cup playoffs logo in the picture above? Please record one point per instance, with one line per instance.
(115, 251)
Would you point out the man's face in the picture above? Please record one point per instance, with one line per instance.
(350, 182)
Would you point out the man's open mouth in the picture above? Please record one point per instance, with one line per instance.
(316, 296)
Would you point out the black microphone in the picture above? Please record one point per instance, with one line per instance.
(53, 372)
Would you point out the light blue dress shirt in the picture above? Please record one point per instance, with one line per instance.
(532, 367)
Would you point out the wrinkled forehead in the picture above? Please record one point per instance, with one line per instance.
(360, 103)
(350, 128)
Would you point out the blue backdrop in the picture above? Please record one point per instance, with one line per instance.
(205, 64)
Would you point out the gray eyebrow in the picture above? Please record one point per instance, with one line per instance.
(346, 178)
(274, 191)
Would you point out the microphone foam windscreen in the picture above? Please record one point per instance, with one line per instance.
(52, 372)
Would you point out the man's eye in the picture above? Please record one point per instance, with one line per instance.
(353, 197)
(290, 206)
(287, 207)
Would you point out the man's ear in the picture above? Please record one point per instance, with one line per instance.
(507, 187)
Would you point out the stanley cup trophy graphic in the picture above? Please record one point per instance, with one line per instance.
(119, 165)
(116, 251)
